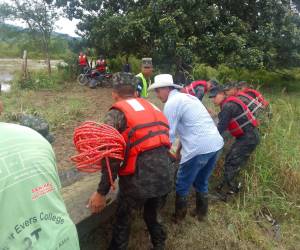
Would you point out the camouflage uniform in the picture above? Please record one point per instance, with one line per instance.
(147, 188)
(146, 62)
(38, 124)
(240, 150)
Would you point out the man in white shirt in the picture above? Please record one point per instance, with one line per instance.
(200, 143)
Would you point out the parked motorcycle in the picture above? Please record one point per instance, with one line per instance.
(94, 78)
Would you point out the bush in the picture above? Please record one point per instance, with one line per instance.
(202, 71)
(277, 79)
(39, 80)
(116, 64)
(68, 69)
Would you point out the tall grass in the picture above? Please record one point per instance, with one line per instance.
(275, 175)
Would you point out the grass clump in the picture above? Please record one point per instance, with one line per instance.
(41, 80)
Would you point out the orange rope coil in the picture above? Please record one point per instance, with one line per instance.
(94, 142)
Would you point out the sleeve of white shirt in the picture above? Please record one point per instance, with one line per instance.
(173, 115)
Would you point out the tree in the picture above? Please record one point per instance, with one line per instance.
(38, 15)
(250, 33)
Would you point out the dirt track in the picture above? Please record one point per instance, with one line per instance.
(98, 102)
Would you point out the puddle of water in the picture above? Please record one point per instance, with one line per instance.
(9, 66)
(5, 87)
(5, 77)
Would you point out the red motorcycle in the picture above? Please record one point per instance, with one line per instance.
(94, 78)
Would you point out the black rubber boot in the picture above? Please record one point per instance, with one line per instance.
(234, 188)
(180, 208)
(201, 205)
(220, 193)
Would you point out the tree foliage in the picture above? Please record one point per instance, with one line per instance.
(252, 33)
(38, 15)
(14, 40)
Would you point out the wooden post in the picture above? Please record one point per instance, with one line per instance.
(24, 65)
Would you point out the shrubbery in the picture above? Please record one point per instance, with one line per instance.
(116, 64)
(280, 78)
(40, 80)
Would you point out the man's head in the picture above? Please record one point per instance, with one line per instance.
(147, 67)
(124, 86)
(217, 94)
(163, 85)
(230, 89)
(81, 53)
(163, 93)
(211, 84)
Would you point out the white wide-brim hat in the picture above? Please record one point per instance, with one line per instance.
(163, 80)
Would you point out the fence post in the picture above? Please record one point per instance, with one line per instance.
(24, 65)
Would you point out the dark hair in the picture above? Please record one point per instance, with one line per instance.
(124, 90)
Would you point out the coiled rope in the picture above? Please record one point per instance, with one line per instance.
(95, 142)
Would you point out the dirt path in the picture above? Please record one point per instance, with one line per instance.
(98, 102)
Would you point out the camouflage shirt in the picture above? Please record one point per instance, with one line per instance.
(229, 111)
(153, 175)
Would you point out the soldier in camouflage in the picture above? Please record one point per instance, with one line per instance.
(37, 123)
(32, 121)
(243, 146)
(146, 188)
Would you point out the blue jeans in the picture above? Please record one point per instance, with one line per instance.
(195, 171)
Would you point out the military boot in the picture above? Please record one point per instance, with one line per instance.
(180, 208)
(201, 206)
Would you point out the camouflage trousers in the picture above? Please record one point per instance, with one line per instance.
(238, 155)
(121, 228)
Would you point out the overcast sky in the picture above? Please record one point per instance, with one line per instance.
(63, 25)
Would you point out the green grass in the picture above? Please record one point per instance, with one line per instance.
(59, 109)
(41, 80)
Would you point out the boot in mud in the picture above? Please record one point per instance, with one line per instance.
(201, 206)
(220, 193)
(234, 188)
(180, 208)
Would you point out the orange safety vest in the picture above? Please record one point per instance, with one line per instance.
(258, 95)
(191, 88)
(235, 128)
(147, 128)
(82, 60)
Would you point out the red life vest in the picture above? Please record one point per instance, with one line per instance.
(234, 127)
(191, 89)
(101, 65)
(82, 60)
(258, 95)
(253, 104)
(147, 128)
